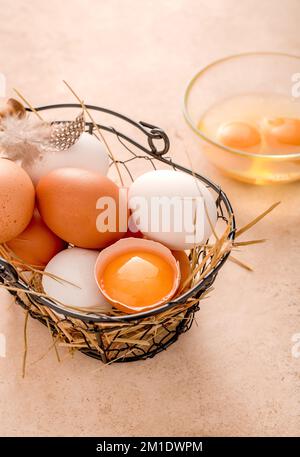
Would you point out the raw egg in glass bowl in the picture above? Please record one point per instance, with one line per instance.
(137, 275)
(246, 111)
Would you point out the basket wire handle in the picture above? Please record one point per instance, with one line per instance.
(152, 132)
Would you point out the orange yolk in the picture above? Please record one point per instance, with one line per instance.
(138, 278)
(238, 135)
(284, 130)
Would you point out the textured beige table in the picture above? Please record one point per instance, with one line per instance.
(234, 373)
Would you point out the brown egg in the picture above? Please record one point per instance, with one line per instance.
(68, 199)
(11, 107)
(16, 200)
(37, 244)
(185, 268)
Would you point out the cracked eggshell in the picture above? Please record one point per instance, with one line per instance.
(134, 246)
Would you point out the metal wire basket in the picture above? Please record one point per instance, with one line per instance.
(123, 338)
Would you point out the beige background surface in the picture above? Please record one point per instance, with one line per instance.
(233, 374)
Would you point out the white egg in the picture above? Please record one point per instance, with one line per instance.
(173, 208)
(75, 266)
(87, 153)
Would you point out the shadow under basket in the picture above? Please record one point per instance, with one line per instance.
(117, 337)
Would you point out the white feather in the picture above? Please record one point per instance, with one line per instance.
(23, 140)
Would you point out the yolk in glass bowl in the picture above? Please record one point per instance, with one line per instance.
(282, 131)
(238, 135)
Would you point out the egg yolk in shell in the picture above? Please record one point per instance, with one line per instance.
(138, 278)
(238, 135)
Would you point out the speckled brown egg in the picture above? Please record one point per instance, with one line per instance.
(17, 198)
(68, 201)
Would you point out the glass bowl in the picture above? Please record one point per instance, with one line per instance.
(257, 73)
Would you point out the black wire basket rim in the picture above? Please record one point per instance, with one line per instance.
(156, 133)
